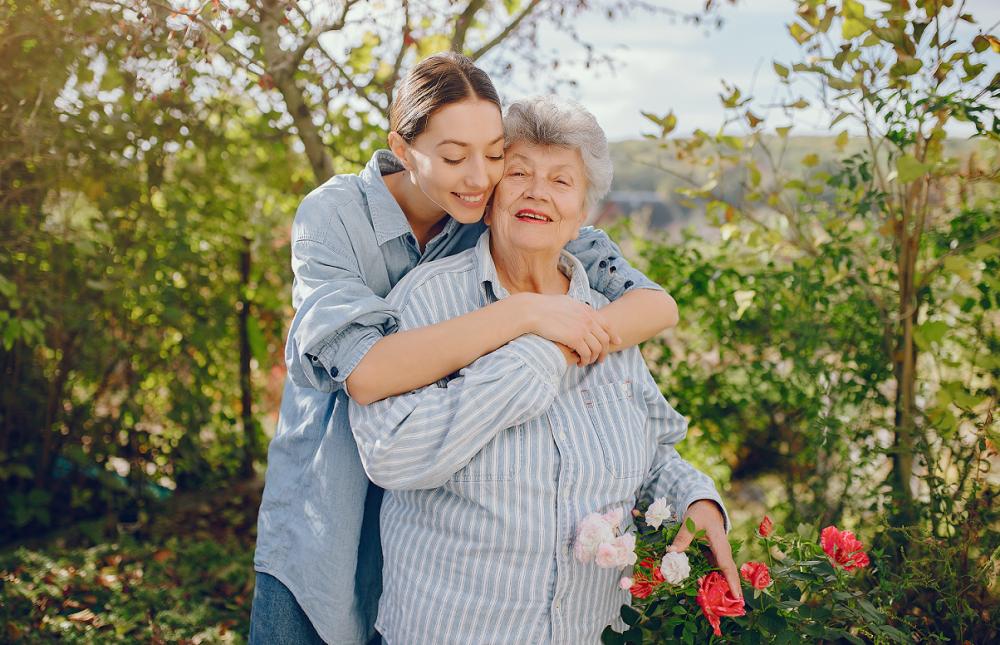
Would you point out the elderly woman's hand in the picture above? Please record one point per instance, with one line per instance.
(706, 515)
(572, 323)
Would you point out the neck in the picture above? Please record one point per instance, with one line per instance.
(529, 272)
(425, 217)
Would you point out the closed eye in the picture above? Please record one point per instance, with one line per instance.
(453, 162)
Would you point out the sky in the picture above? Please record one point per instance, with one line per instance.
(666, 66)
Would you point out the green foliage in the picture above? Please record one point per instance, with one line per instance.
(838, 336)
(123, 233)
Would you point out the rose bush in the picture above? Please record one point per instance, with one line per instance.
(804, 590)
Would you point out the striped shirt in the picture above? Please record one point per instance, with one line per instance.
(489, 472)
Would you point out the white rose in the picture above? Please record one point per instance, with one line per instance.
(658, 512)
(675, 568)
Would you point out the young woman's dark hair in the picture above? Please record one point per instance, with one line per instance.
(433, 83)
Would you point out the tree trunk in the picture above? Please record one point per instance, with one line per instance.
(246, 393)
(282, 74)
(905, 367)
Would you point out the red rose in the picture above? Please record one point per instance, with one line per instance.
(716, 600)
(843, 548)
(756, 574)
(766, 526)
(645, 583)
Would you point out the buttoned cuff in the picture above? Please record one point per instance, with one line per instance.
(539, 355)
(712, 495)
(339, 355)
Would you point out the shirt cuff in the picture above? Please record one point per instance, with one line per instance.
(541, 356)
(339, 355)
(711, 495)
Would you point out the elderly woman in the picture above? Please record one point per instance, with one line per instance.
(489, 472)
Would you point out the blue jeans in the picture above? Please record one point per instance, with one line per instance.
(276, 618)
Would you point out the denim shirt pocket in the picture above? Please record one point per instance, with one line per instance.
(618, 420)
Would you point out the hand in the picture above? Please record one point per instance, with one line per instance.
(575, 324)
(706, 515)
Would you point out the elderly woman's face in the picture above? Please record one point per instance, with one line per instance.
(538, 204)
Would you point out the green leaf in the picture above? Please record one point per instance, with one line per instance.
(258, 346)
(611, 637)
(629, 615)
(799, 33)
(780, 70)
(980, 43)
(906, 67)
(852, 28)
(909, 169)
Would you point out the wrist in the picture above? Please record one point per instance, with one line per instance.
(522, 314)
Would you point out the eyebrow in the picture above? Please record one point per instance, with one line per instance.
(466, 145)
(526, 158)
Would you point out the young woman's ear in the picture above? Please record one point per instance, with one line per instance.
(400, 148)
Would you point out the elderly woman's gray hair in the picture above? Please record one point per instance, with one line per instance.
(552, 121)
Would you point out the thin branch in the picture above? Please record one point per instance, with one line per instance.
(507, 31)
(315, 33)
(463, 23)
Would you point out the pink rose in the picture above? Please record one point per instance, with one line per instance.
(616, 554)
(592, 531)
(626, 583)
(843, 548)
(756, 574)
(716, 600)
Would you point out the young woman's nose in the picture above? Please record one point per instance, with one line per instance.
(478, 176)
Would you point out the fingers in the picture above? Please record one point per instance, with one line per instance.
(582, 349)
(681, 541)
(723, 553)
(596, 347)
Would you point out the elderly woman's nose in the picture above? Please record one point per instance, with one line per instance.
(536, 187)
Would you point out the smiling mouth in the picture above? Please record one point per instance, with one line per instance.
(472, 200)
(532, 216)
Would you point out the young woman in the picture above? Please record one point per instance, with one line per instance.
(318, 558)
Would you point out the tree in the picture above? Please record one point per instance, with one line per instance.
(326, 72)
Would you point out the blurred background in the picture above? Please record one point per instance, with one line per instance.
(816, 183)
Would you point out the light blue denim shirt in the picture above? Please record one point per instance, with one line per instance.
(489, 473)
(317, 531)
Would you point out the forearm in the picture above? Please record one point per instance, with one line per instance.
(640, 315)
(681, 484)
(419, 440)
(411, 359)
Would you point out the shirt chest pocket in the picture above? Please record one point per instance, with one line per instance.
(497, 461)
(619, 421)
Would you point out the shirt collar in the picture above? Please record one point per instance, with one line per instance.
(388, 218)
(579, 286)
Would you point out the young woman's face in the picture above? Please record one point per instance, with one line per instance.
(458, 159)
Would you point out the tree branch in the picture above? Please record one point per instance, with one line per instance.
(507, 31)
(463, 23)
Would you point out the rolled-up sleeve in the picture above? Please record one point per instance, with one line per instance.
(419, 440)
(608, 271)
(671, 476)
(337, 319)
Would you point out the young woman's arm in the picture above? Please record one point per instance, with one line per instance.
(410, 359)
